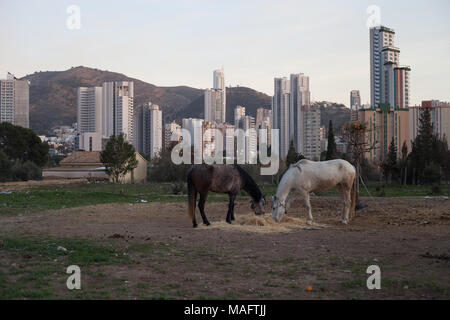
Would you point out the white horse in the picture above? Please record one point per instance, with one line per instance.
(308, 176)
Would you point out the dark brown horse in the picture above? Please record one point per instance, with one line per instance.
(228, 179)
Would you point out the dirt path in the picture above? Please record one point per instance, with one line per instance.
(408, 238)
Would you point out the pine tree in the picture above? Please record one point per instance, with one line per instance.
(332, 149)
(422, 146)
(292, 155)
(389, 166)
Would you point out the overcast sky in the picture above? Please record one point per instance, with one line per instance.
(170, 43)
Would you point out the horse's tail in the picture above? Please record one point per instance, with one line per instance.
(353, 192)
(192, 195)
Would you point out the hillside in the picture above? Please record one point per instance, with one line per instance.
(53, 95)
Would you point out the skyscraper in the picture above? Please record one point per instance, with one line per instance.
(389, 82)
(118, 109)
(152, 129)
(89, 118)
(148, 133)
(219, 84)
(299, 98)
(380, 37)
(14, 101)
(280, 113)
(214, 110)
(311, 132)
(215, 99)
(251, 140)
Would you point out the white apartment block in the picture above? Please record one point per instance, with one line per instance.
(251, 140)
(152, 130)
(280, 113)
(89, 118)
(299, 98)
(15, 101)
(215, 99)
(118, 109)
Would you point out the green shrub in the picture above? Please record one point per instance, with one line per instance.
(26, 171)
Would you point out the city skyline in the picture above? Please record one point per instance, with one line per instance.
(331, 44)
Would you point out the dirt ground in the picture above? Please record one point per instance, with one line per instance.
(409, 239)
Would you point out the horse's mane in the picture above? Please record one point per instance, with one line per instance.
(249, 184)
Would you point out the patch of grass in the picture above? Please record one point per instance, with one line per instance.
(78, 252)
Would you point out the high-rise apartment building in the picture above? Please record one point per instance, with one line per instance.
(89, 118)
(118, 109)
(311, 133)
(299, 98)
(280, 113)
(380, 37)
(389, 82)
(215, 99)
(214, 110)
(148, 130)
(251, 140)
(15, 101)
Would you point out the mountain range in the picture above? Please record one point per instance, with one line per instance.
(53, 98)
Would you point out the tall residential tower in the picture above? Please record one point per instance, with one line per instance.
(15, 101)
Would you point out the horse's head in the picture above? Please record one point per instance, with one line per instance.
(278, 209)
(259, 206)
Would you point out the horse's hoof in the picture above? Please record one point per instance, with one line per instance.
(207, 224)
(195, 225)
(344, 222)
(229, 221)
(309, 222)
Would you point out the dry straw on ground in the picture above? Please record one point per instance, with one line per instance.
(263, 224)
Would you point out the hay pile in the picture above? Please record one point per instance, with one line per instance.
(263, 224)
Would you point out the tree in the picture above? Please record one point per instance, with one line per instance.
(164, 170)
(422, 146)
(22, 144)
(331, 149)
(389, 165)
(119, 157)
(355, 136)
(292, 155)
(5, 167)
